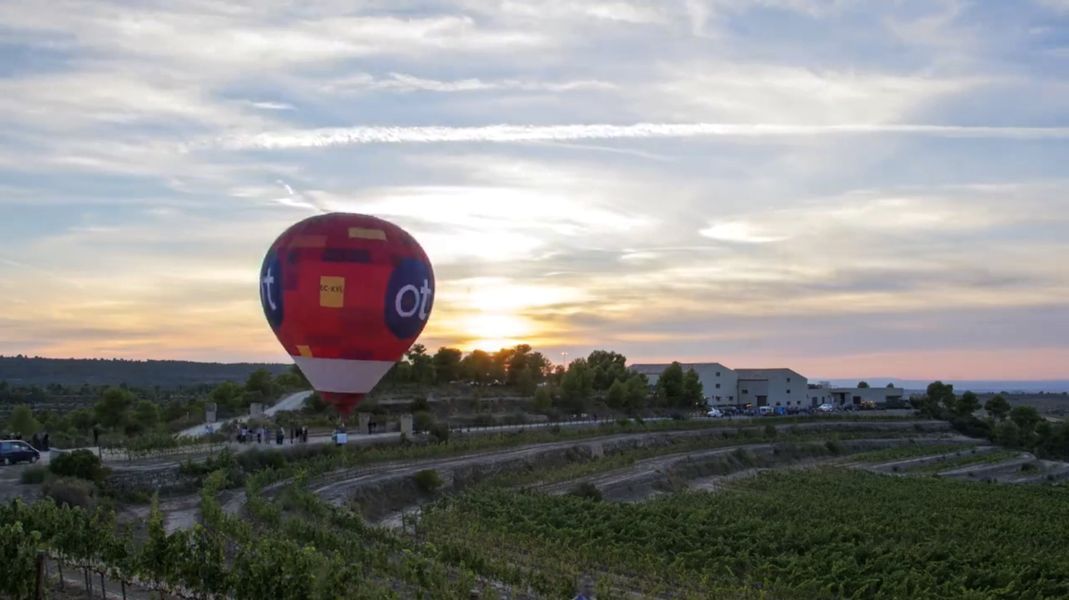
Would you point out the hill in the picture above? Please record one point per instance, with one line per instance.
(25, 371)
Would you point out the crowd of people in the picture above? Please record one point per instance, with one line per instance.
(263, 435)
(39, 441)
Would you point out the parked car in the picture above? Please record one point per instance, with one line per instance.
(715, 413)
(16, 451)
(765, 411)
(826, 408)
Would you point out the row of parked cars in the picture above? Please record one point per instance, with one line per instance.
(767, 411)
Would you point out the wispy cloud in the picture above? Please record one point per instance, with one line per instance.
(405, 83)
(326, 137)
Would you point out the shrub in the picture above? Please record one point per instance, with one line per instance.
(420, 405)
(428, 480)
(972, 427)
(422, 421)
(33, 475)
(770, 431)
(70, 491)
(440, 432)
(586, 490)
(82, 464)
(257, 460)
(833, 447)
(1029, 468)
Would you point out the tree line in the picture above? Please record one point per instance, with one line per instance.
(603, 376)
(120, 412)
(1011, 426)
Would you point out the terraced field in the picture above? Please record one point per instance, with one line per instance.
(821, 509)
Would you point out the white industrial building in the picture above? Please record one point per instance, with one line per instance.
(719, 383)
(856, 397)
(772, 387)
(723, 386)
(787, 388)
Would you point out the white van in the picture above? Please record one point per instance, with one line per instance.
(765, 411)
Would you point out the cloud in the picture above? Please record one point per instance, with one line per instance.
(787, 94)
(271, 105)
(326, 137)
(406, 83)
(216, 38)
(739, 232)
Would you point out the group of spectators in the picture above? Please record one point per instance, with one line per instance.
(39, 441)
(263, 435)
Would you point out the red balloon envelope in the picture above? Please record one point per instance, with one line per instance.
(347, 295)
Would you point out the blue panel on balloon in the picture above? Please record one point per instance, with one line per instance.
(271, 289)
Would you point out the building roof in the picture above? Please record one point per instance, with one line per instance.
(658, 368)
(766, 373)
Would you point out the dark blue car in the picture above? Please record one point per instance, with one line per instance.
(16, 451)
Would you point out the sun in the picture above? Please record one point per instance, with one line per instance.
(493, 331)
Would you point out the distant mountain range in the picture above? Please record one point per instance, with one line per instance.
(1052, 386)
(24, 371)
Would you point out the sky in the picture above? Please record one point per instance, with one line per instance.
(841, 187)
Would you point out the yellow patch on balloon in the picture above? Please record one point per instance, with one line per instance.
(331, 292)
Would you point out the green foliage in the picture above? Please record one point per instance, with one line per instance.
(967, 404)
(797, 535)
(18, 552)
(422, 365)
(637, 392)
(997, 407)
(965, 460)
(904, 452)
(576, 386)
(113, 407)
(616, 398)
(586, 490)
(440, 432)
(82, 464)
(229, 396)
(447, 364)
(420, 404)
(608, 367)
(259, 387)
(22, 422)
(1025, 417)
(69, 491)
(422, 421)
(543, 400)
(146, 416)
(692, 390)
(941, 396)
(274, 568)
(862, 384)
(670, 385)
(34, 474)
(428, 480)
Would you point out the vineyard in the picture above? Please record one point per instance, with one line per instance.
(817, 534)
(822, 534)
(826, 531)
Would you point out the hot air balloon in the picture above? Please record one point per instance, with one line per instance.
(346, 295)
